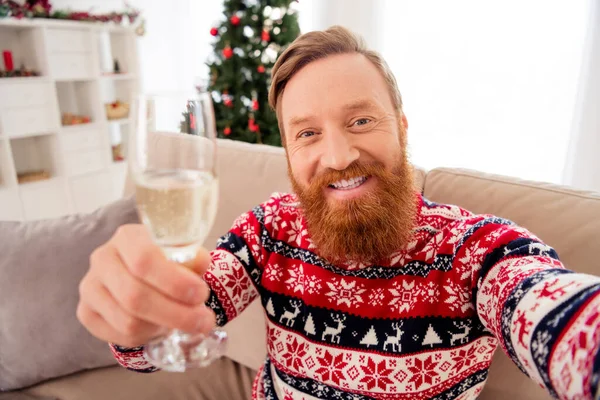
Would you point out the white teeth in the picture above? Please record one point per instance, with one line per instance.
(349, 184)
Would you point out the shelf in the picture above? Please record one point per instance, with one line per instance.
(82, 78)
(75, 160)
(25, 44)
(78, 98)
(27, 23)
(36, 153)
(7, 177)
(42, 183)
(119, 135)
(80, 127)
(11, 209)
(121, 121)
(44, 199)
(30, 135)
(118, 77)
(30, 79)
(116, 45)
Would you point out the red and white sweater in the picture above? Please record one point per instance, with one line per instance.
(422, 325)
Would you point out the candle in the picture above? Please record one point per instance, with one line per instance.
(8, 61)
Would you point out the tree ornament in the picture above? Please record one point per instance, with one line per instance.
(255, 105)
(214, 31)
(265, 35)
(261, 69)
(235, 20)
(252, 124)
(227, 131)
(228, 102)
(227, 52)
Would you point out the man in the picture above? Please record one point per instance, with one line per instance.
(370, 290)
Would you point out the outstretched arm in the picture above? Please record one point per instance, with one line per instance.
(546, 318)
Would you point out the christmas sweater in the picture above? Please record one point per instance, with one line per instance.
(424, 324)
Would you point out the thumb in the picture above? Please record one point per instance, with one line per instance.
(201, 263)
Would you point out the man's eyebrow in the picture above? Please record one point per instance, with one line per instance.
(360, 104)
(294, 121)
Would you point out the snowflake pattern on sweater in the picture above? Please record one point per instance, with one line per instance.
(424, 324)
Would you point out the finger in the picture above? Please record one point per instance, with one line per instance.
(200, 263)
(100, 301)
(103, 330)
(146, 261)
(145, 302)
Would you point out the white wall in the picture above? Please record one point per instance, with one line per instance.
(177, 40)
(363, 17)
(583, 164)
(488, 85)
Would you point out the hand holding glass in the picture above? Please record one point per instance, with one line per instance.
(172, 161)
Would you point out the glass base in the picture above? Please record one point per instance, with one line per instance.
(181, 351)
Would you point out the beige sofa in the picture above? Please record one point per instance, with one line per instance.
(567, 219)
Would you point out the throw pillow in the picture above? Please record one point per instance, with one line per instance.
(41, 265)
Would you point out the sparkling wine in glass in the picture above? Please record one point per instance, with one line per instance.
(173, 164)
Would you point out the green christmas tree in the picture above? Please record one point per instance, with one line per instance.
(247, 44)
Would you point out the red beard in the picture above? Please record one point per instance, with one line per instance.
(367, 229)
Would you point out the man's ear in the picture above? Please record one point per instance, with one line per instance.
(404, 122)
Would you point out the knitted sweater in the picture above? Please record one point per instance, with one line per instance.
(422, 325)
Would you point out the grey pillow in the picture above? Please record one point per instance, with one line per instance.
(41, 265)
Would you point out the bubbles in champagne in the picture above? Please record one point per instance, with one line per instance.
(178, 206)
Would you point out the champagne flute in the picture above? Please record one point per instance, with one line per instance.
(173, 164)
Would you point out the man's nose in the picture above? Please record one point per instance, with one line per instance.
(338, 152)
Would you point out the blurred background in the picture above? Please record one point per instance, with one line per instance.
(509, 87)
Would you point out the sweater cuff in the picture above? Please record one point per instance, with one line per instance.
(132, 358)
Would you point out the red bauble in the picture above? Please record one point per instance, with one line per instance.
(227, 52)
(265, 36)
(261, 69)
(255, 105)
(214, 31)
(252, 125)
(228, 102)
(235, 20)
(227, 131)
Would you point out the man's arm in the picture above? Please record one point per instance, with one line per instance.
(546, 318)
(233, 278)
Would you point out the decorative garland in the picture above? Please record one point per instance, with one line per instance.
(43, 9)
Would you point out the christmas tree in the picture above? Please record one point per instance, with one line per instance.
(309, 326)
(370, 338)
(270, 308)
(247, 44)
(431, 337)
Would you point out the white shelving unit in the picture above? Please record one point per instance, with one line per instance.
(75, 60)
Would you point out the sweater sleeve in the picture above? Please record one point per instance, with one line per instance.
(545, 317)
(233, 278)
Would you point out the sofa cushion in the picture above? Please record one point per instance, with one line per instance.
(566, 219)
(41, 266)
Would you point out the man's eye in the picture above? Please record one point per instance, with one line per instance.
(362, 121)
(306, 134)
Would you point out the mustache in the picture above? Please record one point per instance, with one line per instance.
(356, 169)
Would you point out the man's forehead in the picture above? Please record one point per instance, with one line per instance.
(344, 81)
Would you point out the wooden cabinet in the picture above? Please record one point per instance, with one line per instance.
(92, 191)
(45, 199)
(75, 61)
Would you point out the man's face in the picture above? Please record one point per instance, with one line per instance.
(337, 111)
(346, 159)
